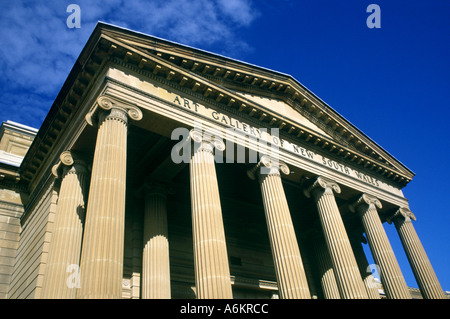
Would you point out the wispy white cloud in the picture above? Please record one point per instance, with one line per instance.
(205, 23)
(239, 11)
(37, 49)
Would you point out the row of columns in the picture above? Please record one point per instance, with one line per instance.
(98, 246)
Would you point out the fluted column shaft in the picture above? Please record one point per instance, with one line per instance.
(291, 277)
(390, 274)
(101, 263)
(345, 267)
(212, 273)
(155, 257)
(65, 247)
(327, 279)
(426, 278)
(364, 268)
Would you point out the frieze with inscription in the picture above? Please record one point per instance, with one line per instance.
(263, 134)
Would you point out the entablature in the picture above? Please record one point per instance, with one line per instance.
(160, 101)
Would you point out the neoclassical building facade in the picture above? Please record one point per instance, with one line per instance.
(164, 171)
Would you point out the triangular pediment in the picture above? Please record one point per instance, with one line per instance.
(285, 111)
(258, 91)
(275, 99)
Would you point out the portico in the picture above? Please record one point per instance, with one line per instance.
(266, 195)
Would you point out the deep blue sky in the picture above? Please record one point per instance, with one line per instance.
(392, 82)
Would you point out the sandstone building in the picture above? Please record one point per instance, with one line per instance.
(163, 171)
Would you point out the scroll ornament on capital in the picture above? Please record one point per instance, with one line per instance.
(116, 109)
(363, 201)
(268, 165)
(320, 183)
(206, 141)
(402, 212)
(68, 163)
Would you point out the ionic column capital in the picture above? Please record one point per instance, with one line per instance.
(113, 108)
(207, 141)
(268, 165)
(68, 162)
(402, 212)
(320, 183)
(364, 201)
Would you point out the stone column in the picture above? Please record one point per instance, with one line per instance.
(291, 277)
(345, 267)
(101, 263)
(212, 273)
(61, 276)
(363, 264)
(426, 278)
(327, 278)
(390, 274)
(155, 257)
